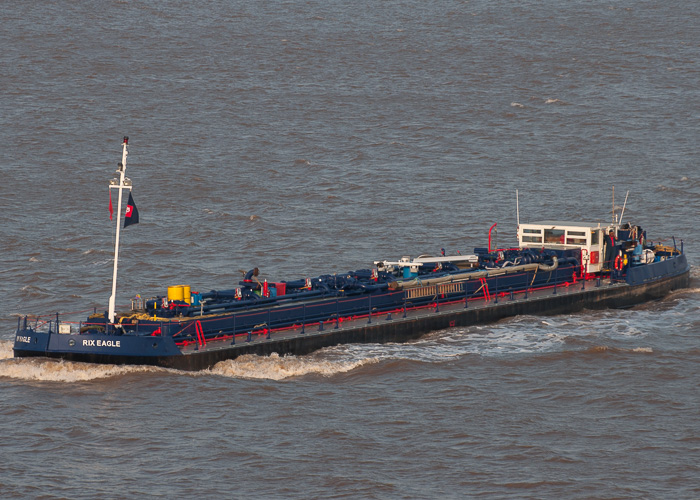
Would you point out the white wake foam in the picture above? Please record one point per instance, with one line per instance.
(58, 371)
(64, 371)
(275, 367)
(519, 335)
(6, 349)
(446, 345)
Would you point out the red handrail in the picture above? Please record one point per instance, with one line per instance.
(494, 225)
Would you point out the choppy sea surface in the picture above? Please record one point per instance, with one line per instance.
(313, 137)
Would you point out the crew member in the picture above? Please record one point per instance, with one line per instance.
(609, 250)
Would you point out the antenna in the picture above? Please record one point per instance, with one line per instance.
(517, 207)
(623, 206)
(613, 207)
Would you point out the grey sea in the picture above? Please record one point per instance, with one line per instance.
(309, 137)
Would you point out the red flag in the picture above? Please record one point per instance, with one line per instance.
(111, 210)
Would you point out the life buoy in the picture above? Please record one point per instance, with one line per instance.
(618, 263)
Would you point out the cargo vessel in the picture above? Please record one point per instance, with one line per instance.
(557, 267)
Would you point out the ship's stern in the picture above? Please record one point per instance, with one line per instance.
(29, 342)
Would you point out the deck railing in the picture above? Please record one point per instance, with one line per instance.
(244, 323)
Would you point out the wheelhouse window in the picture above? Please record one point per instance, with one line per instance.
(576, 238)
(532, 236)
(554, 236)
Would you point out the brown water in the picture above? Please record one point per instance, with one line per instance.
(311, 137)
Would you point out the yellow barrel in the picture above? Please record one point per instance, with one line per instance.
(176, 292)
(186, 294)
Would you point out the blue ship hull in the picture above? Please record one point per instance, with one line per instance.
(383, 315)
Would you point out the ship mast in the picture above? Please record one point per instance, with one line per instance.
(121, 184)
